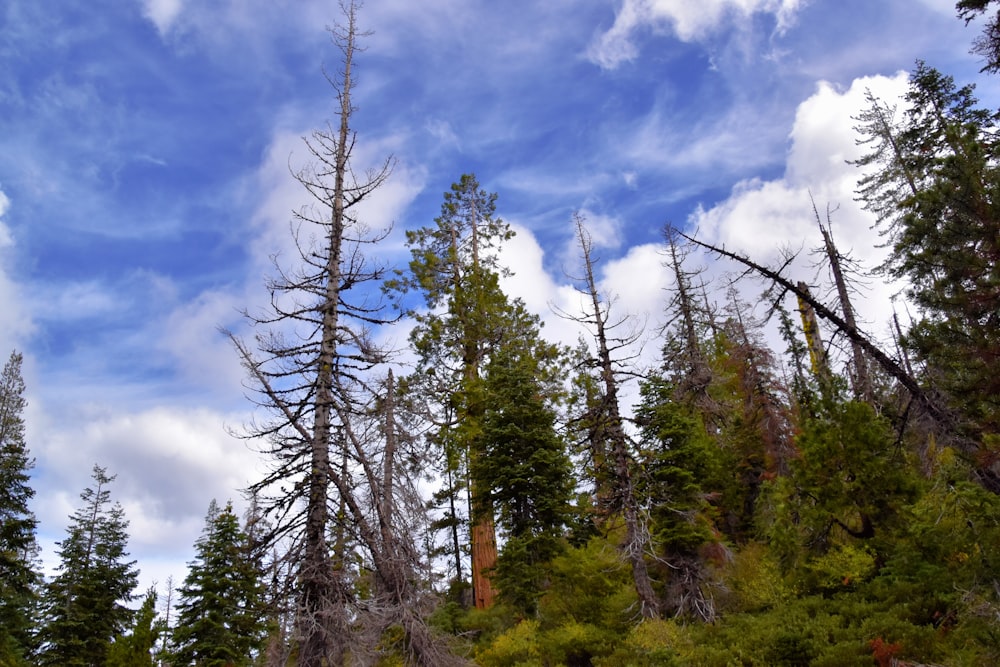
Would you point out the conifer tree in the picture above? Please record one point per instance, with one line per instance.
(603, 428)
(220, 614)
(682, 469)
(935, 187)
(315, 374)
(136, 648)
(454, 267)
(523, 463)
(18, 576)
(85, 605)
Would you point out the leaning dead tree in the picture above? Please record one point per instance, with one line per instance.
(889, 365)
(332, 472)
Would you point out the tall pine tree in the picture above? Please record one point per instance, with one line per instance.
(935, 187)
(220, 615)
(85, 605)
(523, 464)
(454, 266)
(17, 524)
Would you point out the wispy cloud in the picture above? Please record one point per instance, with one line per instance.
(688, 21)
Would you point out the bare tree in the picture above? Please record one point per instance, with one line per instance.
(333, 474)
(889, 365)
(605, 434)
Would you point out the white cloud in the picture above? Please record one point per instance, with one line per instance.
(16, 322)
(75, 301)
(523, 255)
(169, 462)
(5, 238)
(162, 13)
(761, 218)
(190, 334)
(743, 138)
(689, 20)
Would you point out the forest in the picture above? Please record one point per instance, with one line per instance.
(499, 499)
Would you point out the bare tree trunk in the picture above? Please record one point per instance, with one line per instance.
(615, 444)
(814, 340)
(860, 379)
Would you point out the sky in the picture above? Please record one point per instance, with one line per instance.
(145, 156)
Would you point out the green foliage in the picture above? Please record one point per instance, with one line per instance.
(681, 469)
(524, 466)
(936, 191)
(754, 580)
(850, 482)
(220, 613)
(18, 575)
(85, 605)
(517, 647)
(590, 585)
(135, 649)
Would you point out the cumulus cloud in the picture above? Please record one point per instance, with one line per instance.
(764, 218)
(688, 21)
(169, 462)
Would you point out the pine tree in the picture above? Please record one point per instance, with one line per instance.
(523, 464)
(85, 605)
(936, 190)
(18, 575)
(220, 614)
(681, 470)
(136, 648)
(454, 267)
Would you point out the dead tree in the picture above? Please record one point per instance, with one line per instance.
(615, 468)
(890, 366)
(313, 372)
(689, 319)
(861, 382)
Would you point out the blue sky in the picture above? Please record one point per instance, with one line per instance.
(144, 182)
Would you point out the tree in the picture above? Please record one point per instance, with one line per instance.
(523, 464)
(454, 267)
(682, 470)
(329, 437)
(220, 611)
(860, 376)
(987, 44)
(135, 649)
(604, 432)
(316, 354)
(85, 605)
(942, 222)
(18, 576)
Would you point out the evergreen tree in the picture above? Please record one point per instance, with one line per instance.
(936, 190)
(523, 463)
(454, 267)
(681, 471)
(17, 524)
(987, 44)
(136, 648)
(85, 605)
(220, 615)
